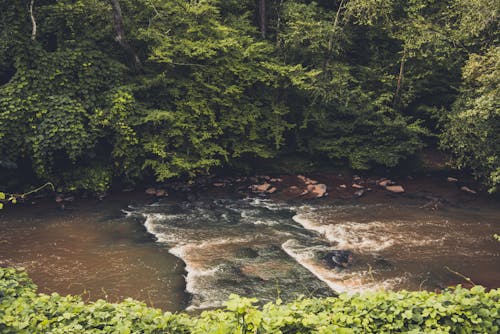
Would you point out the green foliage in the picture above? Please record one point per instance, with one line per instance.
(473, 126)
(457, 310)
(359, 82)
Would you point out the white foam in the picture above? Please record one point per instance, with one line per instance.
(344, 281)
(367, 237)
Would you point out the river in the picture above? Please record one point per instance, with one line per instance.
(180, 254)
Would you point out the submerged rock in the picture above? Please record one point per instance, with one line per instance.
(339, 258)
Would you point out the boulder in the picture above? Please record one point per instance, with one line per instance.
(395, 189)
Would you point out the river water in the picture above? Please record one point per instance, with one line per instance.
(191, 254)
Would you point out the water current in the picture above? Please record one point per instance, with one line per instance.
(191, 254)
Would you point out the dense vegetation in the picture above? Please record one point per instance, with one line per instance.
(22, 310)
(93, 92)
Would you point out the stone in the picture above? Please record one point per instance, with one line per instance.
(395, 189)
(343, 186)
(319, 190)
(385, 183)
(339, 258)
(357, 186)
(271, 190)
(305, 192)
(359, 193)
(311, 187)
(161, 193)
(219, 184)
(451, 179)
(151, 191)
(262, 187)
(468, 190)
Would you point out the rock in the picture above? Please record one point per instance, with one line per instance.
(161, 193)
(59, 198)
(262, 187)
(311, 187)
(276, 179)
(319, 190)
(293, 188)
(219, 184)
(343, 186)
(305, 192)
(451, 179)
(357, 186)
(385, 183)
(151, 191)
(359, 193)
(271, 190)
(395, 189)
(468, 190)
(339, 258)
(302, 178)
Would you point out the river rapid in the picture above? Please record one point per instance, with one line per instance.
(191, 254)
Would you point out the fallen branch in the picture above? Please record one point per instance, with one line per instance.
(461, 275)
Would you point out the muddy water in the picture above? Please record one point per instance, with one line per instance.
(211, 246)
(90, 249)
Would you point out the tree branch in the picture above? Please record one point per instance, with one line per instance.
(33, 21)
(120, 35)
(332, 34)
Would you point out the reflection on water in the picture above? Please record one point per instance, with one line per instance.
(251, 247)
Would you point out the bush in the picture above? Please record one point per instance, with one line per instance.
(456, 310)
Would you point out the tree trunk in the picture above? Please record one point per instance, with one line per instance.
(120, 35)
(332, 34)
(33, 21)
(400, 80)
(262, 18)
(278, 24)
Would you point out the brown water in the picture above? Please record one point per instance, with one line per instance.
(249, 246)
(89, 249)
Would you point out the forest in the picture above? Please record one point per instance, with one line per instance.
(96, 93)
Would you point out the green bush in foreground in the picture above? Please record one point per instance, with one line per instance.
(22, 310)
